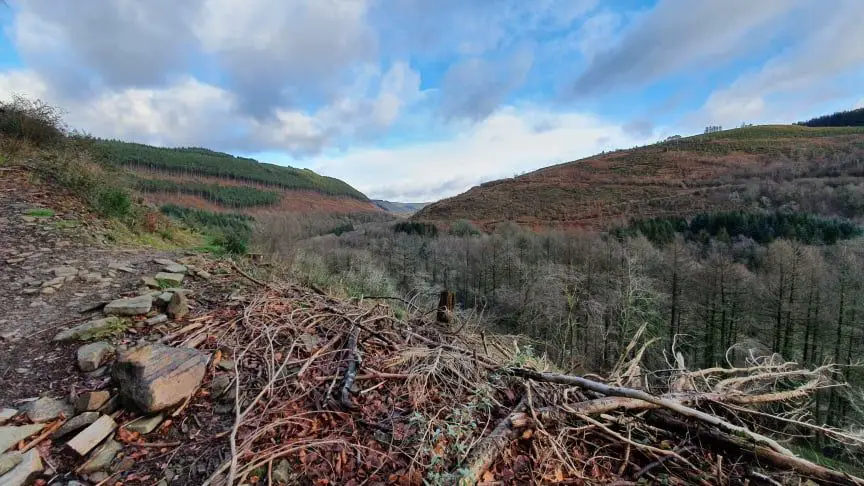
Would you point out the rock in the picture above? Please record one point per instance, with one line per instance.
(90, 401)
(26, 470)
(64, 271)
(175, 268)
(102, 458)
(150, 282)
(95, 329)
(6, 414)
(77, 423)
(226, 364)
(179, 306)
(164, 298)
(28, 219)
(156, 377)
(91, 356)
(47, 408)
(123, 267)
(219, 385)
(164, 262)
(49, 290)
(10, 434)
(124, 465)
(8, 461)
(172, 279)
(98, 477)
(134, 306)
(92, 277)
(282, 472)
(31, 291)
(112, 406)
(145, 425)
(54, 282)
(157, 319)
(203, 274)
(90, 437)
(97, 373)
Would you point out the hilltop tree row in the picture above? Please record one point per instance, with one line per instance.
(230, 196)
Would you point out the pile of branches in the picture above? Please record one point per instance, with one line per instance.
(326, 391)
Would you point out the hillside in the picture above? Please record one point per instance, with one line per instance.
(768, 167)
(399, 207)
(216, 181)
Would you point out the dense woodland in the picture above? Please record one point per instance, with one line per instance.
(581, 297)
(851, 118)
(204, 162)
(230, 196)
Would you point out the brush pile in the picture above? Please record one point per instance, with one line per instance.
(329, 392)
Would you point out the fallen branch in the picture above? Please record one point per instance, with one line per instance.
(351, 371)
(488, 450)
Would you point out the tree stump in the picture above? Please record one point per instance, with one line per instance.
(446, 303)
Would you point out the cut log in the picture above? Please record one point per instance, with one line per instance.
(488, 450)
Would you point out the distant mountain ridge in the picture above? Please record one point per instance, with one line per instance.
(759, 167)
(399, 207)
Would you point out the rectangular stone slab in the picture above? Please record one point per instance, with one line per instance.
(90, 437)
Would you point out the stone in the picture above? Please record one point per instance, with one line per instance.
(95, 329)
(282, 472)
(49, 291)
(179, 306)
(77, 423)
(31, 291)
(124, 465)
(219, 385)
(64, 271)
(26, 471)
(112, 406)
(102, 457)
(157, 319)
(164, 298)
(134, 306)
(90, 437)
(47, 408)
(9, 461)
(92, 277)
(90, 401)
(175, 268)
(226, 364)
(145, 425)
(156, 377)
(97, 373)
(54, 282)
(149, 282)
(6, 414)
(91, 356)
(164, 262)
(204, 274)
(174, 279)
(11, 434)
(123, 267)
(98, 477)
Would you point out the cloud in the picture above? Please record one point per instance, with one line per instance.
(800, 78)
(502, 145)
(678, 33)
(474, 88)
(641, 128)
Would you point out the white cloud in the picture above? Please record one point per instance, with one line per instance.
(859, 104)
(506, 143)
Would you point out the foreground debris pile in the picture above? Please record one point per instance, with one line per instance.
(289, 386)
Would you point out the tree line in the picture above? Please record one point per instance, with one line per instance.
(850, 118)
(230, 196)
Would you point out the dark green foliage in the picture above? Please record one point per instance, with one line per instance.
(760, 227)
(204, 162)
(340, 229)
(231, 196)
(416, 228)
(463, 227)
(232, 230)
(851, 118)
(31, 120)
(113, 202)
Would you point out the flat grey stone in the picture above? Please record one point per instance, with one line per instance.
(164, 298)
(175, 279)
(95, 329)
(149, 282)
(175, 268)
(145, 425)
(90, 401)
(8, 461)
(26, 471)
(164, 261)
(47, 408)
(134, 306)
(157, 319)
(64, 271)
(179, 306)
(6, 414)
(156, 377)
(102, 457)
(91, 356)
(77, 423)
(90, 437)
(11, 434)
(123, 267)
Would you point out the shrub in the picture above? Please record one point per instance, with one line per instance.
(113, 202)
(416, 228)
(233, 243)
(31, 120)
(463, 227)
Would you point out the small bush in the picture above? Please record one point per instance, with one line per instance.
(233, 244)
(114, 203)
(40, 212)
(464, 227)
(31, 120)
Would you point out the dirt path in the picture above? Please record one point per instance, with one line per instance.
(53, 265)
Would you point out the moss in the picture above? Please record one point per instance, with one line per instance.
(114, 326)
(40, 212)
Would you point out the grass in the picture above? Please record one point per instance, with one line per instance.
(40, 212)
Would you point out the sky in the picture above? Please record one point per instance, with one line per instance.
(418, 100)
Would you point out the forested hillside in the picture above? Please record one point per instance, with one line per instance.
(204, 162)
(759, 168)
(851, 118)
